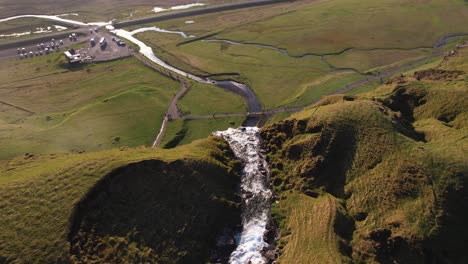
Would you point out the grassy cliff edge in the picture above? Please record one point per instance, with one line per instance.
(379, 177)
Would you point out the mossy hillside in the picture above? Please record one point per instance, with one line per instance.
(394, 157)
(48, 200)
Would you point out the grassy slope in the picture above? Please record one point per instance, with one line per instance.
(403, 193)
(180, 132)
(207, 99)
(39, 195)
(316, 218)
(80, 109)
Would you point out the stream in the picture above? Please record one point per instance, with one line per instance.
(256, 194)
(243, 90)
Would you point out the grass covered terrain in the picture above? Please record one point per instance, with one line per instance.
(204, 99)
(325, 28)
(180, 131)
(332, 26)
(48, 204)
(315, 217)
(393, 160)
(275, 77)
(371, 60)
(47, 107)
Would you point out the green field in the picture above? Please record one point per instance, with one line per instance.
(374, 60)
(180, 132)
(308, 28)
(274, 77)
(332, 26)
(94, 107)
(203, 99)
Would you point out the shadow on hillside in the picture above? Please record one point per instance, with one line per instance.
(154, 211)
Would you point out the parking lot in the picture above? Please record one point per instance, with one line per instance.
(97, 52)
(109, 51)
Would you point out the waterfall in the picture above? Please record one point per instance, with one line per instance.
(256, 194)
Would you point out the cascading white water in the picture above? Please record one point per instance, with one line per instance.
(256, 194)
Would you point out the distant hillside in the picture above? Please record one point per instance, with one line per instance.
(379, 177)
(119, 206)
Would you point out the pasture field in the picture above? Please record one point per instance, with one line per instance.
(332, 26)
(47, 107)
(274, 76)
(302, 29)
(366, 61)
(203, 99)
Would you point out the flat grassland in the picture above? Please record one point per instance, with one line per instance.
(47, 107)
(204, 99)
(361, 36)
(332, 26)
(373, 60)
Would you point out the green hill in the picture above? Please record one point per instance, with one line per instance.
(379, 177)
(122, 205)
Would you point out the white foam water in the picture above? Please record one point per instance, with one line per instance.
(256, 194)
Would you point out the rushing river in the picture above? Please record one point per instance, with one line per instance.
(256, 193)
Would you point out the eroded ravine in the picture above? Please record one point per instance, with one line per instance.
(255, 191)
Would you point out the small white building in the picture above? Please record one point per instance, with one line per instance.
(72, 58)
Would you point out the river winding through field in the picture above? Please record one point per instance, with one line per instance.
(256, 193)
